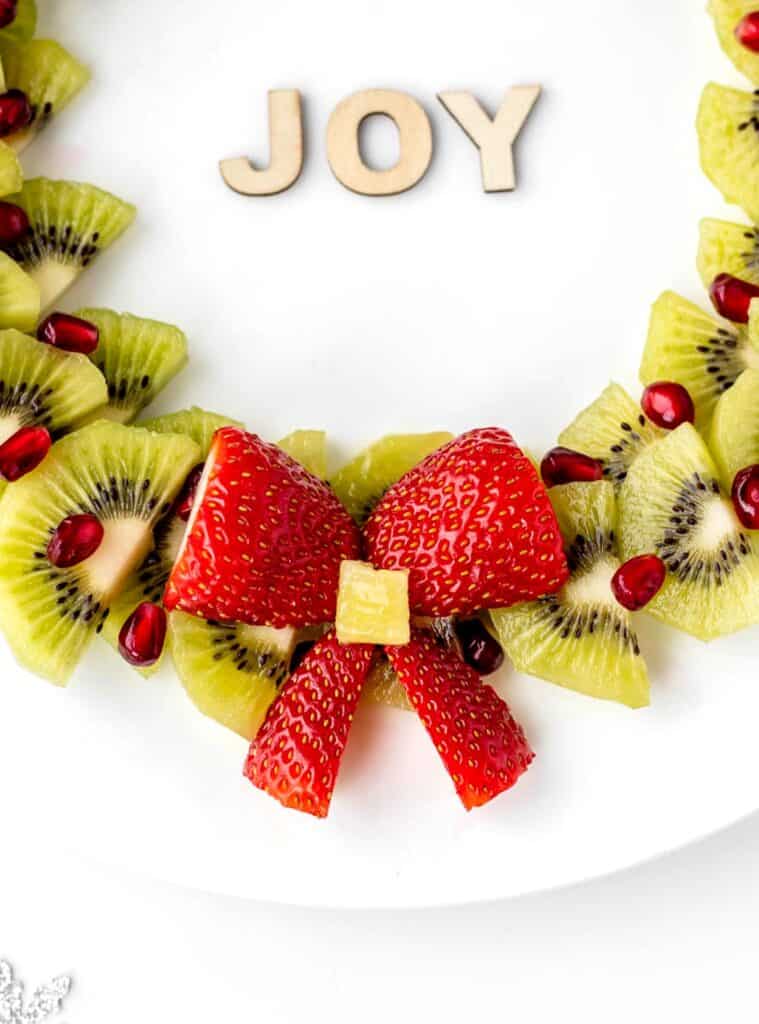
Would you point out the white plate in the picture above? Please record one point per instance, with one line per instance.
(440, 308)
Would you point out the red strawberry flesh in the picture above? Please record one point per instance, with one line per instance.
(483, 749)
(264, 541)
(473, 525)
(296, 755)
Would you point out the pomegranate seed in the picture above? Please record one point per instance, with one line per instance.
(69, 333)
(23, 452)
(15, 112)
(747, 31)
(479, 649)
(564, 466)
(745, 495)
(14, 224)
(8, 10)
(184, 503)
(667, 404)
(75, 538)
(732, 297)
(638, 581)
(143, 634)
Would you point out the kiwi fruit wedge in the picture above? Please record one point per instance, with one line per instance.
(727, 15)
(23, 26)
(126, 477)
(363, 481)
(734, 433)
(19, 297)
(137, 357)
(383, 686)
(43, 386)
(704, 354)
(309, 448)
(70, 224)
(613, 430)
(580, 638)
(672, 504)
(48, 75)
(148, 581)
(11, 175)
(727, 248)
(728, 133)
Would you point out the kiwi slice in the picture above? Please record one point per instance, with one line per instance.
(43, 385)
(49, 76)
(704, 354)
(127, 478)
(728, 132)
(23, 26)
(148, 581)
(231, 672)
(362, 482)
(580, 638)
(70, 224)
(727, 248)
(383, 686)
(137, 357)
(19, 297)
(197, 423)
(11, 175)
(734, 434)
(613, 430)
(672, 505)
(309, 448)
(727, 15)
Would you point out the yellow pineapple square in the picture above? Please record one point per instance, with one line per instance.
(372, 605)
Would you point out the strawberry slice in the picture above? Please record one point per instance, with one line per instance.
(473, 525)
(483, 749)
(264, 540)
(296, 755)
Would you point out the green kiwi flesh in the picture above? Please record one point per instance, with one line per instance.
(613, 430)
(23, 26)
(137, 357)
(49, 76)
(727, 248)
(231, 672)
(580, 638)
(148, 581)
(704, 354)
(19, 297)
(128, 478)
(734, 433)
(728, 133)
(362, 482)
(727, 14)
(11, 175)
(672, 504)
(383, 686)
(70, 224)
(309, 448)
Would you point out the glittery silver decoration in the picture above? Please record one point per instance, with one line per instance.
(46, 1000)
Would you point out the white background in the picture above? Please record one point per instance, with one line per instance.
(322, 309)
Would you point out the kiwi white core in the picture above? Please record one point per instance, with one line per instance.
(53, 279)
(719, 521)
(8, 427)
(594, 587)
(125, 544)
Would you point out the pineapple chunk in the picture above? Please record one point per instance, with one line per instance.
(372, 605)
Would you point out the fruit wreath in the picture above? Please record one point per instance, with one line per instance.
(282, 593)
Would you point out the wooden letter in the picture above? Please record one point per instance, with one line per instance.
(344, 152)
(286, 151)
(494, 137)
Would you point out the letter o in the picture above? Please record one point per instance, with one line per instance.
(344, 151)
